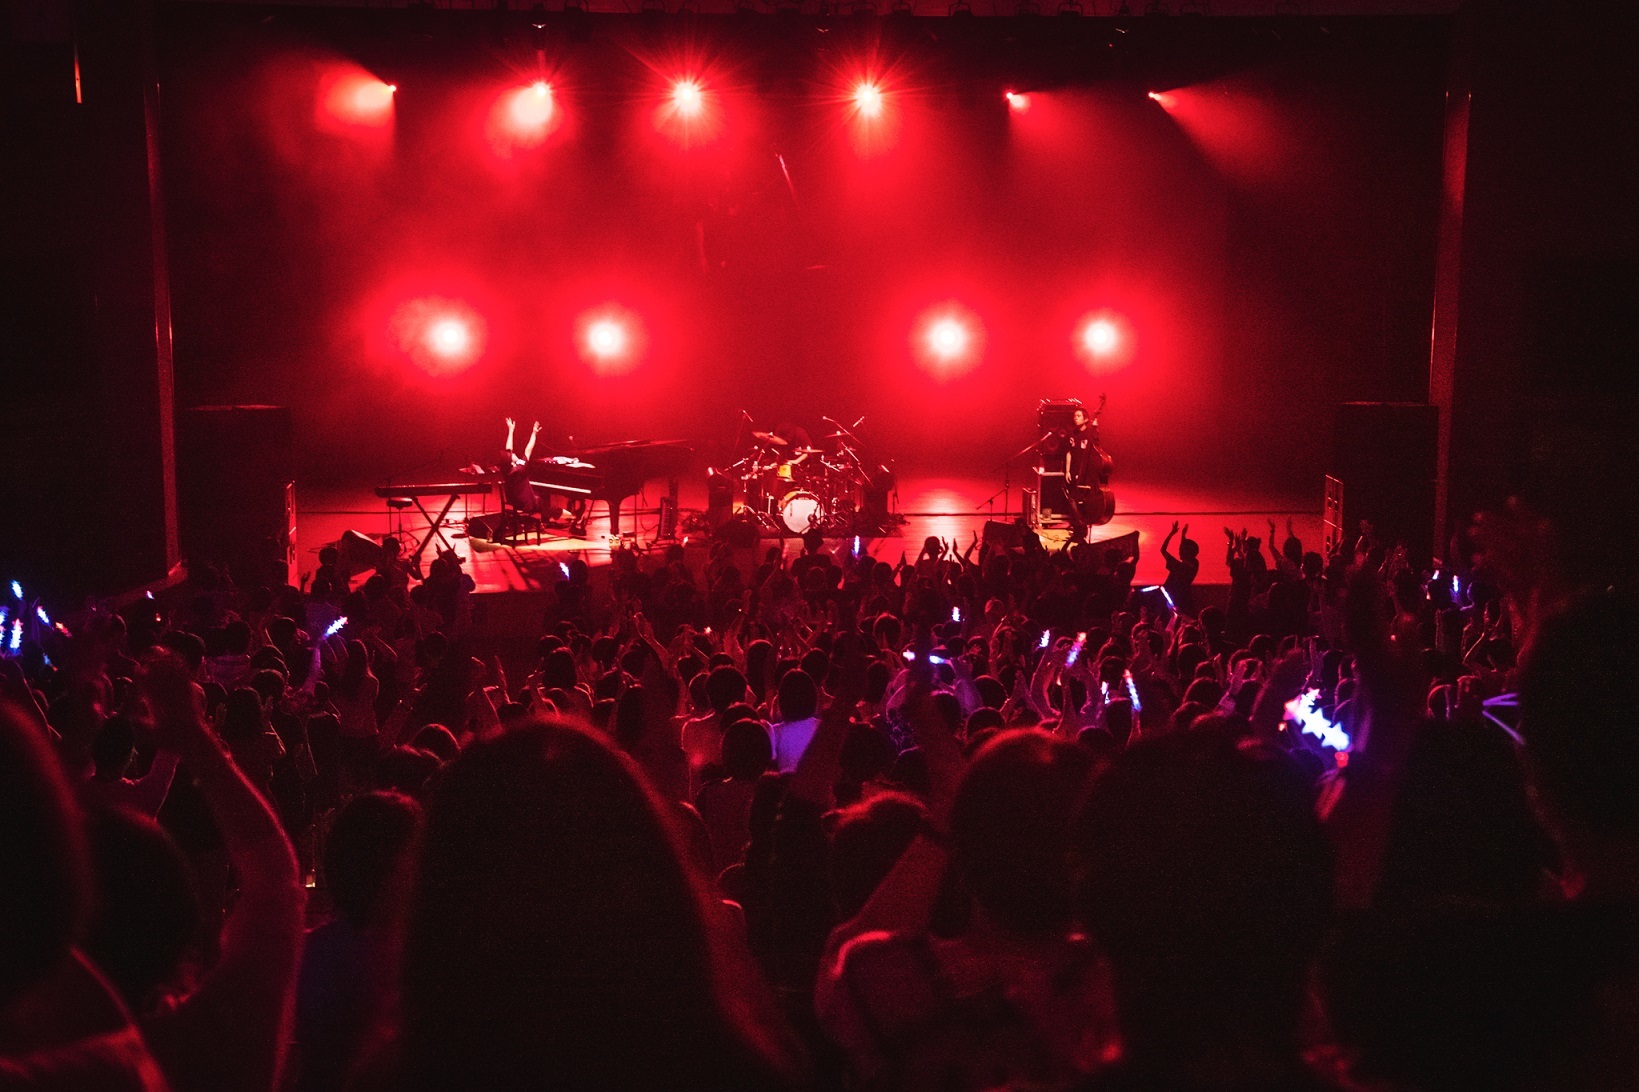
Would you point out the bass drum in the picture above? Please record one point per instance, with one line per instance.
(800, 510)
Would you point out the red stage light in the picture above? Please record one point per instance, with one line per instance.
(1100, 337)
(1162, 99)
(354, 98)
(868, 100)
(449, 338)
(531, 107)
(611, 339)
(606, 339)
(947, 339)
(441, 335)
(1104, 340)
(1019, 103)
(688, 98)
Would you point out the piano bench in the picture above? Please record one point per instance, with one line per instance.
(399, 503)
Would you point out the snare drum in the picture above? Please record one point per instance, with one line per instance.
(800, 510)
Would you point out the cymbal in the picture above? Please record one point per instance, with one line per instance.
(770, 438)
(807, 451)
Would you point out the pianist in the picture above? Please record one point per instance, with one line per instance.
(519, 493)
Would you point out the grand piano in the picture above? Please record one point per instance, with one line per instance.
(611, 473)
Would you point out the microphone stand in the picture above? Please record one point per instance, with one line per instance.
(1006, 467)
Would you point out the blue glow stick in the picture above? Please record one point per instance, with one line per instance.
(16, 634)
(1132, 691)
(1075, 649)
(40, 613)
(857, 546)
(563, 567)
(5, 613)
(1301, 711)
(956, 614)
(335, 627)
(1046, 635)
(17, 591)
(1164, 594)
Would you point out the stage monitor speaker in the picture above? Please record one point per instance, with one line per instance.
(1002, 535)
(740, 532)
(1383, 455)
(236, 495)
(719, 499)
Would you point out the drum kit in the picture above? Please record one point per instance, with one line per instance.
(790, 487)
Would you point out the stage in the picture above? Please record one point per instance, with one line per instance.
(949, 508)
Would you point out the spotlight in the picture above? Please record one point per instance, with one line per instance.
(687, 98)
(449, 338)
(352, 99)
(611, 339)
(868, 99)
(531, 108)
(947, 339)
(441, 336)
(1100, 337)
(606, 339)
(1018, 102)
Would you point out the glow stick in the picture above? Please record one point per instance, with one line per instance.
(1164, 594)
(40, 613)
(563, 567)
(335, 627)
(5, 613)
(16, 634)
(1075, 649)
(1301, 711)
(856, 546)
(1046, 635)
(17, 591)
(956, 614)
(1132, 691)
(1502, 701)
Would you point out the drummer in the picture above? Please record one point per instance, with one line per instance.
(795, 445)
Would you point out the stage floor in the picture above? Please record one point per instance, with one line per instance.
(950, 508)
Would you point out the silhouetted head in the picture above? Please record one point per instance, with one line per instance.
(45, 885)
(557, 935)
(1207, 884)
(1577, 718)
(365, 850)
(1010, 828)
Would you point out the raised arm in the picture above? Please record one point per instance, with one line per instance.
(1166, 544)
(230, 1032)
(529, 448)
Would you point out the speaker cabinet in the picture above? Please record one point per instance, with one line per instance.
(1383, 464)
(235, 490)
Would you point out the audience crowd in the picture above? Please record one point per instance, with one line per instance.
(990, 818)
